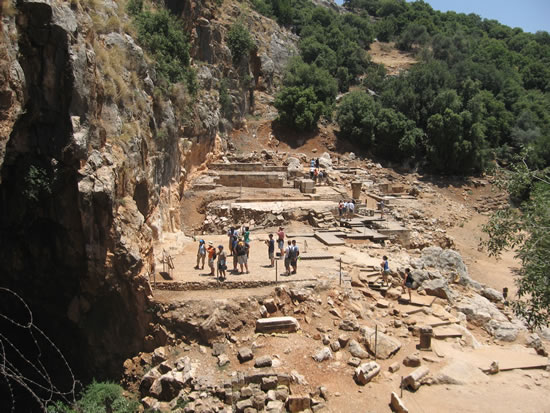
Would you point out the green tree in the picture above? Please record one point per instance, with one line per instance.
(396, 136)
(163, 36)
(239, 41)
(357, 117)
(413, 34)
(298, 107)
(526, 230)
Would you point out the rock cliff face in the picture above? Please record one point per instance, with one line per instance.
(93, 161)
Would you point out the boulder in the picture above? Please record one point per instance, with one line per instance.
(223, 360)
(171, 383)
(245, 354)
(412, 360)
(148, 380)
(275, 406)
(438, 288)
(325, 162)
(210, 329)
(322, 355)
(503, 330)
(356, 350)
(349, 324)
(386, 346)
(492, 295)
(264, 361)
(366, 372)
(270, 305)
(459, 372)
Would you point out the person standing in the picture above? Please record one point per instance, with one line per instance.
(211, 257)
(271, 249)
(317, 163)
(242, 258)
(281, 241)
(246, 235)
(222, 263)
(201, 255)
(234, 253)
(230, 236)
(340, 209)
(351, 209)
(311, 172)
(287, 258)
(315, 175)
(294, 254)
(385, 269)
(345, 209)
(408, 282)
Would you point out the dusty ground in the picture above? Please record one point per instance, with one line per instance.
(452, 205)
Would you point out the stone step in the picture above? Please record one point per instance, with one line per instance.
(329, 239)
(277, 324)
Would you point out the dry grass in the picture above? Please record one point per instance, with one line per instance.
(7, 8)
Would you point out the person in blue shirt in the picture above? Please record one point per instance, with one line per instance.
(385, 269)
(201, 255)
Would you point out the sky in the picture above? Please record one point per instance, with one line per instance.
(530, 15)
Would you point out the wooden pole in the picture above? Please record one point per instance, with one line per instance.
(276, 272)
(340, 270)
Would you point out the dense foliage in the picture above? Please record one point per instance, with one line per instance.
(162, 35)
(479, 92)
(239, 41)
(527, 230)
(98, 397)
(332, 49)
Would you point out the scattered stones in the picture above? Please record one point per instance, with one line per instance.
(349, 325)
(382, 304)
(322, 355)
(335, 346)
(264, 361)
(245, 354)
(366, 372)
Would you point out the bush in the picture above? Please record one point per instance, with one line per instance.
(162, 35)
(298, 107)
(239, 41)
(226, 104)
(99, 397)
(357, 117)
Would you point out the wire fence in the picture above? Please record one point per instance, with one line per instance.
(30, 363)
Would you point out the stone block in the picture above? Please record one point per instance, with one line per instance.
(298, 403)
(394, 367)
(366, 372)
(413, 380)
(245, 354)
(412, 360)
(277, 324)
(264, 361)
(397, 405)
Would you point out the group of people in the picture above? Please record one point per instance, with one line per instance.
(318, 175)
(408, 280)
(346, 209)
(239, 248)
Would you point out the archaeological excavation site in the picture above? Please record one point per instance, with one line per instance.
(272, 206)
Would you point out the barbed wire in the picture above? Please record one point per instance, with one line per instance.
(25, 365)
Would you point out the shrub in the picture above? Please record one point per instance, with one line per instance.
(298, 107)
(226, 105)
(357, 117)
(162, 35)
(239, 41)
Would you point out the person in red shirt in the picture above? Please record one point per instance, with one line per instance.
(211, 257)
(281, 241)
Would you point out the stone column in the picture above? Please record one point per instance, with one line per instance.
(356, 189)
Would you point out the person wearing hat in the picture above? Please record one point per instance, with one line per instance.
(211, 257)
(222, 263)
(201, 255)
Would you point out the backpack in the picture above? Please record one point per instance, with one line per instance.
(240, 248)
(215, 255)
